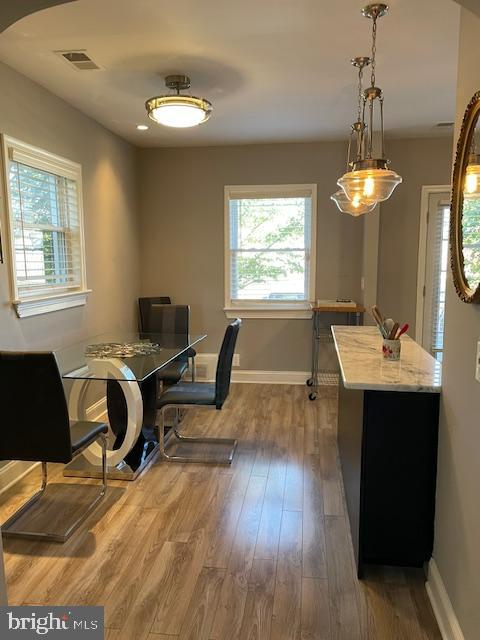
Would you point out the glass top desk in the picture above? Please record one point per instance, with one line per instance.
(127, 363)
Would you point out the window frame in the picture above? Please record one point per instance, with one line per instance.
(270, 308)
(14, 150)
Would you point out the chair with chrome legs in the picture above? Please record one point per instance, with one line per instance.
(165, 318)
(186, 395)
(36, 428)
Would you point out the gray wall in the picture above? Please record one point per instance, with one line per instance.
(182, 226)
(181, 204)
(419, 162)
(457, 527)
(34, 115)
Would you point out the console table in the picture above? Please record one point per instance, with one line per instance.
(387, 441)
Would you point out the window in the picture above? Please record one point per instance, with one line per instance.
(46, 229)
(270, 250)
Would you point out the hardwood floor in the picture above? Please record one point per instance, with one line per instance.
(256, 551)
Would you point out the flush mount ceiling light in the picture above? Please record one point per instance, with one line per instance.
(176, 110)
(370, 179)
(355, 207)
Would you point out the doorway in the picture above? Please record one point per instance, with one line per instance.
(432, 268)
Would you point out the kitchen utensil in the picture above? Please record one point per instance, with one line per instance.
(393, 331)
(402, 331)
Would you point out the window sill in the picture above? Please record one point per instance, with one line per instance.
(39, 306)
(284, 311)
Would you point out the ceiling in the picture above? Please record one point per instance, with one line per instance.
(275, 70)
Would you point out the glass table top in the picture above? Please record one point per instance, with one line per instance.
(122, 356)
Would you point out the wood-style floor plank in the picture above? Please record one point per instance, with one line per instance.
(257, 615)
(203, 604)
(229, 615)
(313, 520)
(315, 610)
(341, 581)
(259, 550)
(287, 604)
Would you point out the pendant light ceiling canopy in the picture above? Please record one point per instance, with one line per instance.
(370, 180)
(177, 110)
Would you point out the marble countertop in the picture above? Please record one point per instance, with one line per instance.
(362, 366)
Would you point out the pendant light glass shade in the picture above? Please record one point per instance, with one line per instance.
(472, 181)
(178, 110)
(353, 207)
(369, 186)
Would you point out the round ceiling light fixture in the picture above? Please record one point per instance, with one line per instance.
(176, 110)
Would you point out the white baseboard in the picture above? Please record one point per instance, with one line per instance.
(97, 410)
(205, 365)
(272, 377)
(441, 605)
(14, 471)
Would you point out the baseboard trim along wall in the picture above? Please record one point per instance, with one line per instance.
(441, 605)
(205, 365)
(14, 471)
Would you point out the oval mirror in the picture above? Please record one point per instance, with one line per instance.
(465, 208)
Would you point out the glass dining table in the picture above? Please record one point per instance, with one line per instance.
(127, 364)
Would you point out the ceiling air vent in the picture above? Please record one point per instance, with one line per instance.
(78, 59)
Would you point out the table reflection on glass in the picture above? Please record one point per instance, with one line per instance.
(127, 363)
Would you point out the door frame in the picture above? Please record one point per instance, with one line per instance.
(427, 190)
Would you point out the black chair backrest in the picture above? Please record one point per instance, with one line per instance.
(224, 365)
(34, 422)
(166, 318)
(146, 305)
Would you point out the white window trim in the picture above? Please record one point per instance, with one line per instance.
(427, 190)
(16, 150)
(272, 309)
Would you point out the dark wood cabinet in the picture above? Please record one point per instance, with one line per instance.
(387, 442)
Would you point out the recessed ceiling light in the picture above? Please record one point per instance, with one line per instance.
(142, 127)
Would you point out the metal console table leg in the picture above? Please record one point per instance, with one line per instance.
(313, 380)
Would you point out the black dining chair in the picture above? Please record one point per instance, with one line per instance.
(36, 428)
(166, 318)
(186, 395)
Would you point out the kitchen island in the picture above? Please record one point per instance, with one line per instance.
(387, 441)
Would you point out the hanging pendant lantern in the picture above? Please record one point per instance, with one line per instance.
(355, 207)
(370, 180)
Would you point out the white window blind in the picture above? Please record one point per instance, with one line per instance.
(45, 217)
(440, 222)
(269, 245)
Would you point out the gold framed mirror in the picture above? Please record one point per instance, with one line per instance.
(465, 207)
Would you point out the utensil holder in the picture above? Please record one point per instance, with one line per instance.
(391, 349)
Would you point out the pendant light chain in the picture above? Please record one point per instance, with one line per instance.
(360, 83)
